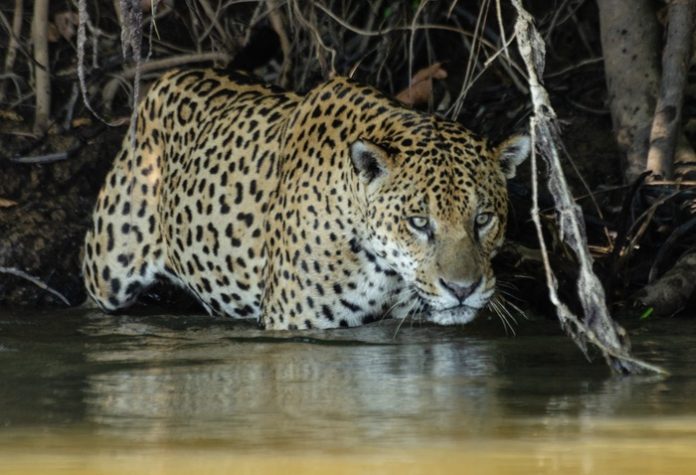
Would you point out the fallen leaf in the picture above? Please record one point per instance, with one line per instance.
(421, 88)
(81, 122)
(10, 115)
(52, 33)
(66, 22)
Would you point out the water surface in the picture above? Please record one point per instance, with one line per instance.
(81, 392)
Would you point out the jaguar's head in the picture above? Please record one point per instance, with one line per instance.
(436, 210)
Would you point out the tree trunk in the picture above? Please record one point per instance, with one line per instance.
(11, 54)
(675, 64)
(42, 75)
(630, 34)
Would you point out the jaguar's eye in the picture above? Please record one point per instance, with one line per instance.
(483, 220)
(419, 223)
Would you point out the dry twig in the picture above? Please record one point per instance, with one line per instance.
(109, 91)
(277, 19)
(596, 327)
(316, 34)
(131, 38)
(83, 20)
(34, 280)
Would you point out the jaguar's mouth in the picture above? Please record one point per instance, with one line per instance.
(458, 315)
(453, 315)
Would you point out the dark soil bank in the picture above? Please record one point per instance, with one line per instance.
(44, 222)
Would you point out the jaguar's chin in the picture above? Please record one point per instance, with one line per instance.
(453, 315)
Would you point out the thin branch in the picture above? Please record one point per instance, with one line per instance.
(131, 40)
(109, 91)
(295, 7)
(83, 20)
(277, 20)
(34, 280)
(641, 223)
(573, 67)
(473, 55)
(48, 158)
(431, 26)
(384, 31)
(518, 84)
(214, 23)
(412, 37)
(501, 27)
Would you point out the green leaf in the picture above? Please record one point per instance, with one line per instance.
(646, 314)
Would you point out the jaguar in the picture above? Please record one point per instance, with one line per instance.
(333, 208)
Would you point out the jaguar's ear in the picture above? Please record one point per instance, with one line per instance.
(369, 159)
(512, 152)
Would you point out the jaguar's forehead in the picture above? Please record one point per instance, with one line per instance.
(447, 192)
(447, 157)
(440, 155)
(450, 171)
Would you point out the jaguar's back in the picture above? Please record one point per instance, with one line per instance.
(206, 147)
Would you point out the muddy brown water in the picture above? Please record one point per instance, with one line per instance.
(81, 392)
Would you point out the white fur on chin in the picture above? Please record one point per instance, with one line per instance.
(453, 316)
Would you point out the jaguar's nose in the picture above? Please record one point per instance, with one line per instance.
(461, 290)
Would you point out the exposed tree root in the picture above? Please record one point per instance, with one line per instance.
(670, 293)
